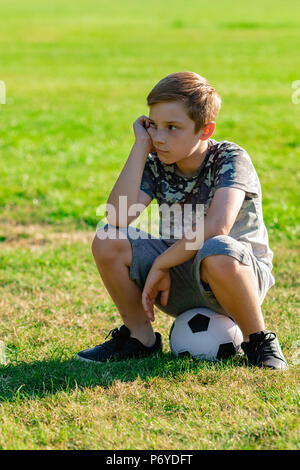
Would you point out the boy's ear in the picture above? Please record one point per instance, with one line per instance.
(208, 130)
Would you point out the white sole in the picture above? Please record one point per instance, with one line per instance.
(79, 358)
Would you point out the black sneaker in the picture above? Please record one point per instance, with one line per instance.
(120, 347)
(263, 350)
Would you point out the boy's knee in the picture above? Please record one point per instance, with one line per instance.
(96, 248)
(219, 265)
(107, 245)
(216, 260)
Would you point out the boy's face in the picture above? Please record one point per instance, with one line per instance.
(172, 131)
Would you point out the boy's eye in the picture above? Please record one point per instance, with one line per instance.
(169, 126)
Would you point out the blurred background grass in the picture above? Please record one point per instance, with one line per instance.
(77, 76)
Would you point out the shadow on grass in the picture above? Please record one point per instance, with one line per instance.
(38, 379)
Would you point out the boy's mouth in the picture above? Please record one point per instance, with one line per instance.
(161, 151)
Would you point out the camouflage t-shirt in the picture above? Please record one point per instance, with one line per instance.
(226, 165)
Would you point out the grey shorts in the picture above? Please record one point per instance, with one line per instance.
(187, 289)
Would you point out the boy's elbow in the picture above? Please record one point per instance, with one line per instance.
(122, 222)
(219, 228)
(121, 219)
(113, 218)
(116, 223)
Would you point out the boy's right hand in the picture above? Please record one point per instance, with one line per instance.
(142, 136)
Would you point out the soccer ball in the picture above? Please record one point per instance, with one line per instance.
(205, 334)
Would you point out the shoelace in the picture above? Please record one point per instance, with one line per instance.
(112, 332)
(266, 346)
(117, 336)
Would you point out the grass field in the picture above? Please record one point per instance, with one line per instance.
(77, 74)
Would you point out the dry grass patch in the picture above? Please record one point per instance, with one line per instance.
(19, 235)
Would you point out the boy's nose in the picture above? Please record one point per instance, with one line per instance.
(158, 139)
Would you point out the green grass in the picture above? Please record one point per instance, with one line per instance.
(77, 75)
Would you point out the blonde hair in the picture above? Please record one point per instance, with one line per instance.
(200, 99)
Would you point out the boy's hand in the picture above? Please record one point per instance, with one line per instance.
(158, 280)
(140, 127)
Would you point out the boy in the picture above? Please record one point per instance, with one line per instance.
(174, 160)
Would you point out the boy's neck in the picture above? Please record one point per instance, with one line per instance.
(189, 166)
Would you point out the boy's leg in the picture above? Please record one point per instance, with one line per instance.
(235, 287)
(113, 259)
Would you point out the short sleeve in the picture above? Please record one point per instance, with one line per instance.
(234, 169)
(148, 184)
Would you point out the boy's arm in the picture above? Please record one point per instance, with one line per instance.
(129, 181)
(219, 220)
(128, 184)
